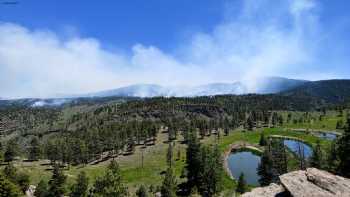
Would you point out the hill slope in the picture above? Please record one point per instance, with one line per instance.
(267, 85)
(331, 91)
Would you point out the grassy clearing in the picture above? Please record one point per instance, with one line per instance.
(133, 173)
(327, 122)
(254, 137)
(155, 160)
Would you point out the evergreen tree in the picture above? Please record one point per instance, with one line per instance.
(11, 151)
(168, 188)
(340, 124)
(279, 156)
(34, 149)
(344, 152)
(202, 132)
(42, 189)
(78, 151)
(131, 146)
(142, 192)
(1, 151)
(178, 154)
(169, 155)
(8, 189)
(10, 172)
(52, 151)
(289, 118)
(317, 157)
(280, 120)
(153, 132)
(217, 171)
(273, 162)
(226, 131)
(274, 119)
(265, 169)
(193, 162)
(249, 123)
(301, 156)
(22, 181)
(211, 170)
(340, 111)
(57, 182)
(110, 184)
(262, 141)
(332, 158)
(80, 188)
(241, 185)
(19, 178)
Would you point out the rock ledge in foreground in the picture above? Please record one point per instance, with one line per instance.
(309, 183)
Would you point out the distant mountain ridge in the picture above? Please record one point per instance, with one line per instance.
(325, 91)
(332, 91)
(151, 90)
(270, 85)
(266, 86)
(138, 90)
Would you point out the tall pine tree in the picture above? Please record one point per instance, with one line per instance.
(34, 149)
(142, 192)
(316, 159)
(273, 162)
(57, 182)
(80, 188)
(169, 186)
(7, 188)
(265, 169)
(193, 161)
(169, 155)
(211, 171)
(42, 189)
(262, 141)
(344, 152)
(11, 151)
(110, 184)
(241, 185)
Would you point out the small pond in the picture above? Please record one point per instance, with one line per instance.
(327, 136)
(244, 162)
(297, 147)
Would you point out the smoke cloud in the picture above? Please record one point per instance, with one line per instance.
(265, 38)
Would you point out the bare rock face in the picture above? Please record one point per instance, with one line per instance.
(270, 190)
(297, 184)
(337, 185)
(309, 183)
(31, 190)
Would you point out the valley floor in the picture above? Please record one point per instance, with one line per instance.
(154, 159)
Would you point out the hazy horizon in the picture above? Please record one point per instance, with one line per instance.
(143, 89)
(227, 42)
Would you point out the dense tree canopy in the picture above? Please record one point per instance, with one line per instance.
(111, 183)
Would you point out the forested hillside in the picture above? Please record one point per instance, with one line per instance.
(26, 120)
(331, 91)
(90, 131)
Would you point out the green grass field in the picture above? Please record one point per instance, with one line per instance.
(155, 160)
(327, 122)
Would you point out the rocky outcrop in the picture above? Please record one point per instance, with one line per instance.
(270, 190)
(309, 183)
(336, 185)
(30, 192)
(298, 185)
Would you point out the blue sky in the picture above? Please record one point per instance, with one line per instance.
(123, 23)
(64, 47)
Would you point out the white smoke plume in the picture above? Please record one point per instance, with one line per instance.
(265, 38)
